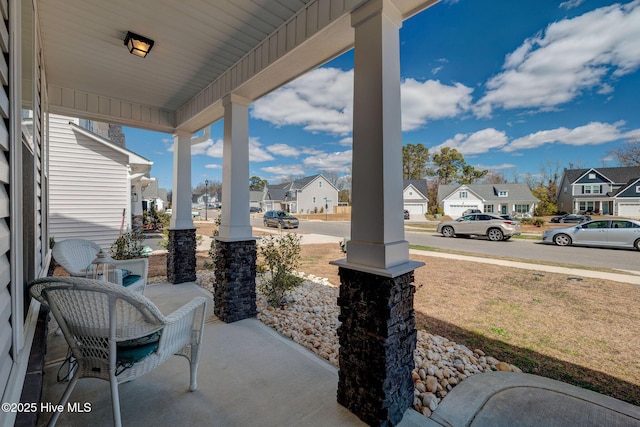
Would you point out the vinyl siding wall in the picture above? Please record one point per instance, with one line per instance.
(88, 186)
(314, 189)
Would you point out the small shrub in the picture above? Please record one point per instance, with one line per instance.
(343, 245)
(279, 258)
(315, 210)
(128, 246)
(538, 222)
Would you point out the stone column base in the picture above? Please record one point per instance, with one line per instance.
(181, 255)
(235, 287)
(377, 340)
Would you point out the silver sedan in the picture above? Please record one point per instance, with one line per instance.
(619, 232)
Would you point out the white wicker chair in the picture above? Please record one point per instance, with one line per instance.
(116, 334)
(75, 255)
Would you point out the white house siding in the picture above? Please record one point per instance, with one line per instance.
(87, 180)
(6, 331)
(413, 201)
(319, 188)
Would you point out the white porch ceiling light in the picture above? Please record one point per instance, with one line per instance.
(138, 45)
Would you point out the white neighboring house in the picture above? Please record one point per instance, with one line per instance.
(304, 195)
(414, 195)
(502, 199)
(95, 185)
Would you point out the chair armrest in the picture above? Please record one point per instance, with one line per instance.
(184, 326)
(139, 266)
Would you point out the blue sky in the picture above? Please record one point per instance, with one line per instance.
(513, 85)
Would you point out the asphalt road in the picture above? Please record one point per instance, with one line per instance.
(622, 259)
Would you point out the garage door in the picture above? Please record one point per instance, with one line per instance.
(455, 211)
(629, 209)
(415, 208)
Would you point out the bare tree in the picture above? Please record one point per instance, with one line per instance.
(629, 153)
(332, 176)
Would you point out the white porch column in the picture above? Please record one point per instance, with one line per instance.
(377, 242)
(181, 197)
(235, 224)
(181, 247)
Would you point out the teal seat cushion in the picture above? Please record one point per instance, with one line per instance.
(131, 351)
(130, 279)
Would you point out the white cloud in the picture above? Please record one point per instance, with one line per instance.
(593, 133)
(213, 166)
(566, 59)
(346, 141)
(337, 161)
(570, 4)
(214, 149)
(284, 170)
(322, 101)
(431, 100)
(495, 168)
(283, 150)
(477, 142)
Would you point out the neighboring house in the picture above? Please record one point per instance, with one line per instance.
(414, 195)
(95, 186)
(257, 198)
(305, 195)
(606, 191)
(503, 199)
(154, 196)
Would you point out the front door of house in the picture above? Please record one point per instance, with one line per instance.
(503, 209)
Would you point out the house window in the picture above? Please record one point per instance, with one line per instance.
(411, 193)
(319, 183)
(595, 189)
(521, 208)
(314, 199)
(503, 193)
(463, 194)
(637, 188)
(587, 206)
(488, 208)
(592, 176)
(586, 189)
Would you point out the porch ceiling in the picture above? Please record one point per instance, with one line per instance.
(203, 50)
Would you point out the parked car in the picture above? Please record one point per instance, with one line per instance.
(576, 218)
(471, 211)
(523, 215)
(280, 219)
(407, 215)
(619, 232)
(480, 224)
(254, 209)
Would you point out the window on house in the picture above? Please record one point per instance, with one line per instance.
(463, 194)
(637, 188)
(592, 176)
(488, 208)
(587, 206)
(586, 189)
(314, 199)
(521, 208)
(503, 193)
(595, 189)
(319, 183)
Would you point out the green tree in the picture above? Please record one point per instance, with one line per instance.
(415, 158)
(257, 183)
(451, 167)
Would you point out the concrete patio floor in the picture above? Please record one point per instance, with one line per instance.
(249, 375)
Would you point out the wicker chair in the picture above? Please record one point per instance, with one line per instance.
(116, 334)
(75, 255)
